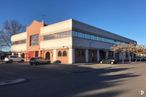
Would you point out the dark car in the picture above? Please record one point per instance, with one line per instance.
(108, 61)
(38, 61)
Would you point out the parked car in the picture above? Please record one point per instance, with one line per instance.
(57, 62)
(38, 61)
(13, 59)
(108, 61)
(140, 59)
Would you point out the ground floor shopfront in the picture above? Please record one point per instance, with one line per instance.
(75, 55)
(50, 54)
(69, 55)
(91, 55)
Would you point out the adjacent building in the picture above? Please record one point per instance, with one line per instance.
(69, 41)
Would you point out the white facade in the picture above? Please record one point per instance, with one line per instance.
(19, 47)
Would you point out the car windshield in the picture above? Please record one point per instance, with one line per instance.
(13, 56)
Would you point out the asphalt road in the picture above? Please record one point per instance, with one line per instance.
(122, 80)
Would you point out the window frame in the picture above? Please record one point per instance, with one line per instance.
(59, 53)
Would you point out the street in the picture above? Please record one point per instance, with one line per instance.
(97, 80)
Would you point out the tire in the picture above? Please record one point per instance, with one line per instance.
(37, 63)
(10, 61)
(48, 62)
(21, 61)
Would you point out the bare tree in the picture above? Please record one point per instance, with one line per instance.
(131, 48)
(139, 50)
(10, 28)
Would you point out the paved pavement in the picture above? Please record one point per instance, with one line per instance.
(97, 80)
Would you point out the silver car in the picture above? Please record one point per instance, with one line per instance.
(13, 59)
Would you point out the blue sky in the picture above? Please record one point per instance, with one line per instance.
(123, 17)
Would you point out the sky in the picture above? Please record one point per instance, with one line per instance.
(123, 17)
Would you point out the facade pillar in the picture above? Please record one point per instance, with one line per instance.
(12, 54)
(132, 56)
(40, 53)
(124, 55)
(54, 55)
(107, 52)
(87, 55)
(71, 55)
(19, 54)
(98, 56)
(114, 55)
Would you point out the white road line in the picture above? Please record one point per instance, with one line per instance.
(10, 82)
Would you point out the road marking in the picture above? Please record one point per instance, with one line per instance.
(10, 82)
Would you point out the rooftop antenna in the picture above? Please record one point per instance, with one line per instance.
(43, 16)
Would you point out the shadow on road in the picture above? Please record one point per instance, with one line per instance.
(66, 81)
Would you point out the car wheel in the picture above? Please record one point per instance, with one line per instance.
(21, 61)
(10, 61)
(48, 62)
(7, 62)
(31, 63)
(37, 63)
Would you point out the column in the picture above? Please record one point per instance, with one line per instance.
(87, 55)
(124, 55)
(71, 55)
(114, 55)
(12, 54)
(19, 54)
(132, 56)
(54, 55)
(98, 56)
(107, 52)
(120, 56)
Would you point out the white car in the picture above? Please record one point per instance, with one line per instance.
(13, 59)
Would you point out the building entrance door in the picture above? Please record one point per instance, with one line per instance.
(92, 55)
(36, 53)
(102, 54)
(47, 56)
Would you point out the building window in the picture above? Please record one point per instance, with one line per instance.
(19, 42)
(80, 53)
(58, 35)
(59, 54)
(64, 53)
(47, 57)
(34, 40)
(94, 37)
(36, 53)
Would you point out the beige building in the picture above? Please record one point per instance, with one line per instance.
(69, 41)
